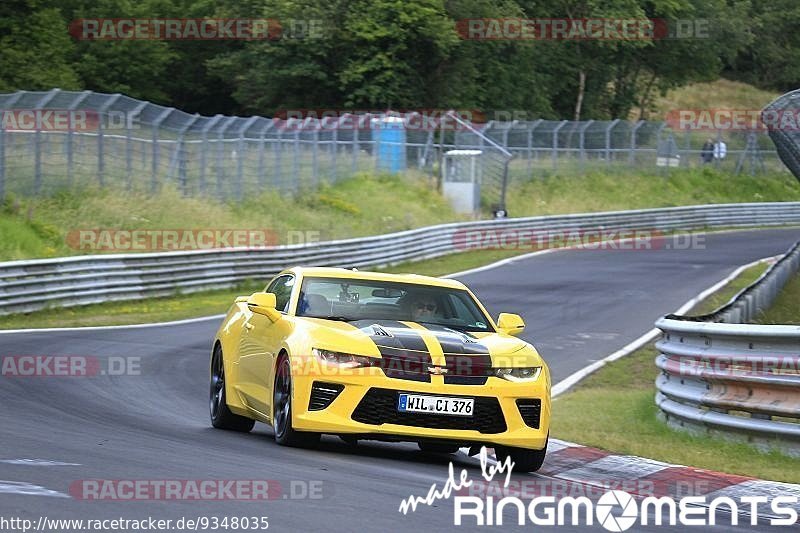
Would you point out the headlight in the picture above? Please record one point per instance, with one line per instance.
(343, 360)
(519, 374)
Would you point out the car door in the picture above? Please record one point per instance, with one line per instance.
(260, 343)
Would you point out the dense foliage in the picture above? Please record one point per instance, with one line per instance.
(401, 53)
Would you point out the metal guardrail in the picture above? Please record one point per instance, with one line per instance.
(32, 285)
(735, 379)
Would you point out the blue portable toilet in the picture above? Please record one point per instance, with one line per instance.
(389, 134)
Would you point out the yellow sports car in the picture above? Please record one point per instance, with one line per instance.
(366, 355)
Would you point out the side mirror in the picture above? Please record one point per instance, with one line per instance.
(510, 323)
(263, 303)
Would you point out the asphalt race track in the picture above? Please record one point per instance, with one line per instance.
(579, 307)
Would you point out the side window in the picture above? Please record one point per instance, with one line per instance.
(282, 288)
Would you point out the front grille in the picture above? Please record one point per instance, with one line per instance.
(379, 406)
(322, 394)
(467, 369)
(531, 411)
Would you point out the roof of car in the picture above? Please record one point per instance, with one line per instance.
(348, 273)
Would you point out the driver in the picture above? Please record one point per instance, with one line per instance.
(424, 309)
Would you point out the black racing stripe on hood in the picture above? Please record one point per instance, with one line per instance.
(456, 342)
(467, 361)
(404, 354)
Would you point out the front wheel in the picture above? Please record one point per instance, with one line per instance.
(525, 460)
(221, 416)
(285, 434)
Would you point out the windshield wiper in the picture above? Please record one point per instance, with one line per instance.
(332, 317)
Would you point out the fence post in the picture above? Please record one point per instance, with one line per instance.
(582, 143)
(279, 158)
(296, 158)
(240, 156)
(609, 129)
(129, 143)
(530, 146)
(204, 149)
(71, 137)
(554, 154)
(221, 156)
(314, 155)
(356, 130)
(632, 153)
(261, 145)
(156, 148)
(2, 164)
(11, 101)
(101, 160)
(335, 153)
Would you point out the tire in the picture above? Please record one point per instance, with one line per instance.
(438, 447)
(525, 460)
(285, 434)
(221, 416)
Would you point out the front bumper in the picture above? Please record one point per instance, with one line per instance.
(338, 417)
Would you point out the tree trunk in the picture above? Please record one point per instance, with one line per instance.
(581, 89)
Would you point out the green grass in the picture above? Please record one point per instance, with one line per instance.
(362, 205)
(720, 94)
(785, 309)
(607, 191)
(724, 295)
(617, 401)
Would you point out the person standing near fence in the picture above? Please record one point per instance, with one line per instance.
(720, 150)
(707, 152)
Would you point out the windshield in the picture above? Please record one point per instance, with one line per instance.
(355, 299)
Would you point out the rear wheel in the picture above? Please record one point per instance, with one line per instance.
(437, 447)
(285, 434)
(221, 416)
(525, 460)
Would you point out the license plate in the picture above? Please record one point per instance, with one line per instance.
(437, 405)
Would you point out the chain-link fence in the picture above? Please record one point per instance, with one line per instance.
(60, 139)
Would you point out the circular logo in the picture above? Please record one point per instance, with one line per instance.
(616, 500)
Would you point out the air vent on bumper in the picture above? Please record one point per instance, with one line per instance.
(323, 394)
(531, 411)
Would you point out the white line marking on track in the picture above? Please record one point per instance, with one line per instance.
(126, 326)
(36, 462)
(27, 489)
(570, 381)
